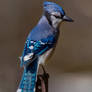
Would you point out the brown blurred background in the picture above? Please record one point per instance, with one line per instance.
(70, 68)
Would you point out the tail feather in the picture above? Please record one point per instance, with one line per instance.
(28, 81)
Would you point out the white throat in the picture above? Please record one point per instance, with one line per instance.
(55, 21)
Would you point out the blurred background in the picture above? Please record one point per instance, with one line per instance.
(70, 68)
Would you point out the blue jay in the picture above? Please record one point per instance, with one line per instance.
(40, 43)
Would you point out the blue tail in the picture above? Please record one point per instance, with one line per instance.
(28, 81)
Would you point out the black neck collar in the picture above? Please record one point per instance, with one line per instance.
(48, 17)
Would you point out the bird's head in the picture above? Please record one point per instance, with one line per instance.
(55, 14)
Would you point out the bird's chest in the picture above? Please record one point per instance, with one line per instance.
(43, 58)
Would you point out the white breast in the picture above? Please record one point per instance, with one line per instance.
(19, 90)
(43, 57)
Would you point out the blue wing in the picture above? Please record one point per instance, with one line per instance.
(33, 49)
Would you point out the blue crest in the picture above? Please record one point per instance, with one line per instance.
(52, 7)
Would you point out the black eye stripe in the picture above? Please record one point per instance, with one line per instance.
(58, 16)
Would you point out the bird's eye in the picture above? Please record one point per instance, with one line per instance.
(58, 16)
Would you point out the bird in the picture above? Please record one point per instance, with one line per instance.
(40, 44)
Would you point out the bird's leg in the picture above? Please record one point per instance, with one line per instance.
(42, 81)
(44, 71)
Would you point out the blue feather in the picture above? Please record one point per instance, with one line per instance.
(28, 81)
(53, 7)
(39, 47)
(41, 38)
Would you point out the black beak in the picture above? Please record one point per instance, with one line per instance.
(68, 19)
